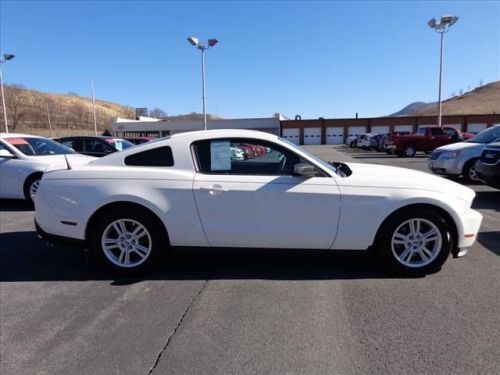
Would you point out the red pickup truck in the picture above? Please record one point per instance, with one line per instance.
(426, 139)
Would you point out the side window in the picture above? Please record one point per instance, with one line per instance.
(450, 132)
(437, 131)
(158, 157)
(244, 157)
(75, 144)
(95, 145)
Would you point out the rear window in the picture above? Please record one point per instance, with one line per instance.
(157, 157)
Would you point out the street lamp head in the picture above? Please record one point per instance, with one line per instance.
(212, 42)
(8, 56)
(432, 23)
(194, 41)
(448, 20)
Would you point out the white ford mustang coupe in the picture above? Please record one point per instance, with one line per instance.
(195, 189)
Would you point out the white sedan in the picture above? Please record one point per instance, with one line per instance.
(24, 158)
(189, 190)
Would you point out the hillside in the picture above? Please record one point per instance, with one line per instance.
(410, 109)
(29, 110)
(482, 100)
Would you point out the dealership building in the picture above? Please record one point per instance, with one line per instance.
(305, 132)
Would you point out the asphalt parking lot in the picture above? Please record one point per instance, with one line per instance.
(249, 312)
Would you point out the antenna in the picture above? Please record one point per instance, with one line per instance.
(67, 162)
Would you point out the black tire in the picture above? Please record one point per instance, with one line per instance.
(156, 240)
(469, 172)
(409, 151)
(30, 184)
(388, 254)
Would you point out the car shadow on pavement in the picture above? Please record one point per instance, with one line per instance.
(14, 205)
(24, 257)
(490, 240)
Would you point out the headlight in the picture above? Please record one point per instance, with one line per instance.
(450, 154)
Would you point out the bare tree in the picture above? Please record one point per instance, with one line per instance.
(158, 113)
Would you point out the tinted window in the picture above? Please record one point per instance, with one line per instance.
(158, 157)
(244, 157)
(97, 146)
(75, 144)
(437, 131)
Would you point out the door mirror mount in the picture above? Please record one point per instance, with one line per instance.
(304, 170)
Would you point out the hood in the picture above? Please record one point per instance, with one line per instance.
(373, 175)
(460, 146)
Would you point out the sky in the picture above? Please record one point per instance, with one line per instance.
(313, 59)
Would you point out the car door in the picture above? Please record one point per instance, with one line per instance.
(258, 202)
(438, 138)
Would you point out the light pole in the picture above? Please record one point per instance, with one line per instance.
(3, 59)
(195, 42)
(441, 27)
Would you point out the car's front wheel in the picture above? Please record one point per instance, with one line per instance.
(469, 172)
(127, 242)
(31, 187)
(415, 242)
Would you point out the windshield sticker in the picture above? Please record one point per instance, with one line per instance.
(17, 141)
(220, 156)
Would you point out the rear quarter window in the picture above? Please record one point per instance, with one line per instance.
(157, 157)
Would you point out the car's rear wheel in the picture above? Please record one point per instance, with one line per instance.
(415, 242)
(469, 172)
(31, 187)
(127, 242)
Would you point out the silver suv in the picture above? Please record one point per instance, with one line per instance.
(460, 158)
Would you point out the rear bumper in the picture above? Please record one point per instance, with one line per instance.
(58, 240)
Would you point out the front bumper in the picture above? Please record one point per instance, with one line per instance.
(470, 222)
(447, 167)
(489, 174)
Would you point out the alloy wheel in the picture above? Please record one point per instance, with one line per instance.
(126, 243)
(416, 242)
(34, 188)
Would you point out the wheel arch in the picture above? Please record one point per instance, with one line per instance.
(28, 178)
(92, 221)
(448, 218)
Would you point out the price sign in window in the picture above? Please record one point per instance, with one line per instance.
(220, 156)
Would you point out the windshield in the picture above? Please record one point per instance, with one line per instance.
(486, 136)
(119, 144)
(34, 146)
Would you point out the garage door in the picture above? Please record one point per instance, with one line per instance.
(475, 128)
(334, 135)
(312, 136)
(292, 135)
(355, 130)
(403, 128)
(381, 129)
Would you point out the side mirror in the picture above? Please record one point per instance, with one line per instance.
(7, 154)
(304, 170)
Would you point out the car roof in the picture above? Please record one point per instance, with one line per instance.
(19, 135)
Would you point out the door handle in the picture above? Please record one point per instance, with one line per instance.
(214, 189)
